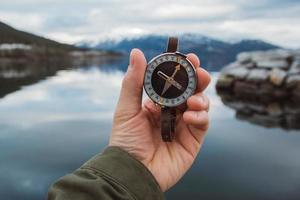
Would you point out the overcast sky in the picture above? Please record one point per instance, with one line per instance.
(276, 21)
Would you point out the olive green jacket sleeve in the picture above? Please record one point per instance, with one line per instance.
(114, 174)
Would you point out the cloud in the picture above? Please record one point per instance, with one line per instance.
(187, 12)
(73, 21)
(46, 101)
(36, 22)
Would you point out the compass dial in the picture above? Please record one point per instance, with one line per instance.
(170, 79)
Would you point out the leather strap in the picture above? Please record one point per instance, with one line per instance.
(168, 119)
(172, 45)
(168, 115)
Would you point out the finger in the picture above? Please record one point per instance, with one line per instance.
(202, 74)
(193, 58)
(198, 102)
(203, 79)
(197, 119)
(131, 91)
(153, 109)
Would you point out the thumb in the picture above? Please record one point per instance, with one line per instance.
(132, 85)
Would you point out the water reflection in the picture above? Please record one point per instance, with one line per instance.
(49, 128)
(15, 74)
(284, 113)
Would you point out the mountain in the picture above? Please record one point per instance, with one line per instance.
(10, 35)
(214, 54)
(17, 45)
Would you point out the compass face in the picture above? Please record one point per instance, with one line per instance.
(170, 79)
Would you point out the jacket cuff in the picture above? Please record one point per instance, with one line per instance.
(119, 166)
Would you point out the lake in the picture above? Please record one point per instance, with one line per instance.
(53, 119)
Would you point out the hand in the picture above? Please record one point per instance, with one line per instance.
(136, 127)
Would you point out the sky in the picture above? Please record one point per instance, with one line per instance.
(275, 21)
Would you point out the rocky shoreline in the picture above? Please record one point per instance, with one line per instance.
(264, 88)
(270, 74)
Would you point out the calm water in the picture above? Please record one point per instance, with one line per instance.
(54, 124)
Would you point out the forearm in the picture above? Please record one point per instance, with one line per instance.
(114, 174)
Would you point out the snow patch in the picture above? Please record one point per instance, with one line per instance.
(14, 46)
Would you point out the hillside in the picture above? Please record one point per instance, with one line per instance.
(9, 34)
(214, 53)
(21, 46)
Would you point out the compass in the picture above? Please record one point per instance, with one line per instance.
(170, 79)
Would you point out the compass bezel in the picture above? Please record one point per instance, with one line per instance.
(185, 63)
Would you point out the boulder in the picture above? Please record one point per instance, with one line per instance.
(244, 88)
(248, 65)
(241, 115)
(279, 54)
(273, 55)
(277, 76)
(244, 57)
(272, 64)
(296, 94)
(291, 108)
(274, 109)
(225, 81)
(292, 121)
(230, 67)
(266, 120)
(295, 67)
(293, 81)
(258, 75)
(238, 73)
(237, 105)
(256, 107)
(264, 87)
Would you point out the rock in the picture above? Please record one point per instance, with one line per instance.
(264, 87)
(230, 67)
(238, 73)
(295, 68)
(273, 55)
(257, 75)
(296, 54)
(292, 81)
(242, 88)
(280, 93)
(241, 115)
(293, 121)
(248, 65)
(296, 93)
(277, 76)
(224, 81)
(244, 57)
(266, 120)
(272, 64)
(274, 109)
(280, 54)
(292, 108)
(256, 107)
(225, 95)
(236, 105)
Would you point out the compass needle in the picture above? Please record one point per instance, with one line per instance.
(166, 87)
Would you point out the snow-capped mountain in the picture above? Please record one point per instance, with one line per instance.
(214, 53)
